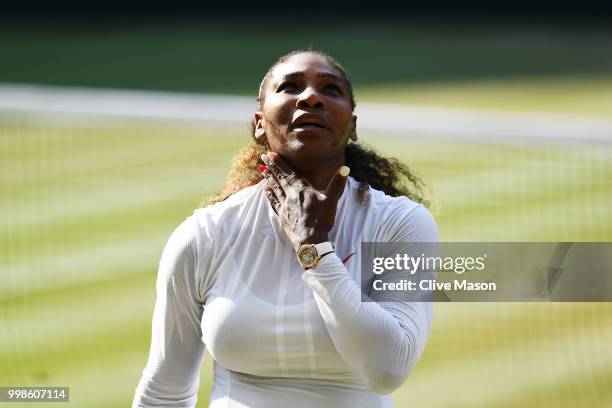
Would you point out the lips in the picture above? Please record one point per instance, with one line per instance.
(309, 121)
(309, 125)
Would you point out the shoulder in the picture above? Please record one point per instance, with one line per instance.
(220, 222)
(402, 218)
(217, 214)
(192, 243)
(179, 255)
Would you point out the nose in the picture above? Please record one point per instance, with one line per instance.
(310, 98)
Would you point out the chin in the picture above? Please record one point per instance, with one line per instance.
(299, 150)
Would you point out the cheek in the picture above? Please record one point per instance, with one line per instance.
(276, 127)
(345, 122)
(343, 114)
(278, 112)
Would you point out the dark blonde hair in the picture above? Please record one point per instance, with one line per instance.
(367, 166)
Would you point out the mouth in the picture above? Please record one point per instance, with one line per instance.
(309, 121)
(308, 125)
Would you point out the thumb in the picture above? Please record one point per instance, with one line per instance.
(338, 181)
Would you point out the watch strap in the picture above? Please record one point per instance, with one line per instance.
(325, 248)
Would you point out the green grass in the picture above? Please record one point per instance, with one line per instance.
(88, 206)
(514, 65)
(584, 95)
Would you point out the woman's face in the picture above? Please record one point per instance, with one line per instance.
(306, 112)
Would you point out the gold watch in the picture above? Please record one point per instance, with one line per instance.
(308, 255)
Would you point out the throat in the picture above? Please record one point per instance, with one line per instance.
(319, 173)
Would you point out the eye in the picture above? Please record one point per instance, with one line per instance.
(287, 86)
(332, 88)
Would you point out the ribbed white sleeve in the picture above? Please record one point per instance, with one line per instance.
(171, 377)
(381, 341)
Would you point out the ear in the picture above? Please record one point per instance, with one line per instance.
(260, 132)
(353, 133)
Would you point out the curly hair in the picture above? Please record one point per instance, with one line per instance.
(367, 167)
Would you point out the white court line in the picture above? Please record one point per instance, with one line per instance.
(239, 109)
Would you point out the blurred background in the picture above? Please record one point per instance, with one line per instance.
(116, 121)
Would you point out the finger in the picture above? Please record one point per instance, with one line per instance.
(273, 199)
(336, 184)
(292, 176)
(281, 163)
(281, 170)
(274, 185)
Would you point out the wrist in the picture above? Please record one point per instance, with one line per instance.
(313, 240)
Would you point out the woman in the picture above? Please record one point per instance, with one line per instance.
(266, 278)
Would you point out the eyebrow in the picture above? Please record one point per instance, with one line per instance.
(319, 74)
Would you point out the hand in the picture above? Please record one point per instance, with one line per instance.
(307, 215)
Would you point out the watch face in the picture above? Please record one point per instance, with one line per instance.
(308, 256)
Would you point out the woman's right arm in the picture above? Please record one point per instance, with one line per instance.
(171, 377)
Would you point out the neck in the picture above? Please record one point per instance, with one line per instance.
(318, 172)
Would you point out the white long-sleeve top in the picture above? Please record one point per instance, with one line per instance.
(229, 282)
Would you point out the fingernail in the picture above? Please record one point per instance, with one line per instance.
(344, 171)
(263, 157)
(262, 167)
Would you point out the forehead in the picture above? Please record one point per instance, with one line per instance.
(307, 63)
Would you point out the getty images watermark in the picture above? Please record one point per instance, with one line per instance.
(413, 264)
(477, 272)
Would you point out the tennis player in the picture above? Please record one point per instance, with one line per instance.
(267, 277)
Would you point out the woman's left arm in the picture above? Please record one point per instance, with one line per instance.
(381, 340)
